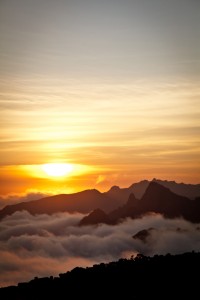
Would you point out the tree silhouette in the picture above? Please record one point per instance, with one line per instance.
(159, 277)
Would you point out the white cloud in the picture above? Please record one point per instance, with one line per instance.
(46, 245)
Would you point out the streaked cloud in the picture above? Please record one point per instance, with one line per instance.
(102, 85)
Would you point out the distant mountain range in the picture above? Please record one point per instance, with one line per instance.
(156, 199)
(138, 189)
(109, 202)
(82, 202)
(158, 277)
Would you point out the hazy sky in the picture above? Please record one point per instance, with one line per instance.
(112, 85)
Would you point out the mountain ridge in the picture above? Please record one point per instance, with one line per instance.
(77, 202)
(137, 277)
(88, 200)
(156, 199)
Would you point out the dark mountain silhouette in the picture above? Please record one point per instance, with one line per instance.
(95, 217)
(160, 199)
(82, 202)
(156, 199)
(125, 210)
(113, 217)
(158, 277)
(143, 234)
(191, 191)
(88, 200)
(122, 194)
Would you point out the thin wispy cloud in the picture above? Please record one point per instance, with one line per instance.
(14, 198)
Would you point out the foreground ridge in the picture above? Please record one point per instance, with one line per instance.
(160, 277)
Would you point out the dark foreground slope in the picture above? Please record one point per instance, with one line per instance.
(158, 277)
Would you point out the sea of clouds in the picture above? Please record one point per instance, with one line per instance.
(45, 245)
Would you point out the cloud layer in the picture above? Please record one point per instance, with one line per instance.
(13, 199)
(46, 245)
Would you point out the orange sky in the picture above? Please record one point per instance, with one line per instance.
(121, 134)
(115, 92)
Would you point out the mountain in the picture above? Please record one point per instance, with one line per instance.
(114, 216)
(125, 210)
(191, 191)
(156, 199)
(83, 202)
(122, 194)
(160, 199)
(88, 200)
(143, 234)
(157, 277)
(95, 217)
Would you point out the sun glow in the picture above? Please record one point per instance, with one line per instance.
(57, 170)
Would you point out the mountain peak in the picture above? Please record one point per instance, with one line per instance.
(164, 181)
(154, 188)
(142, 182)
(159, 198)
(131, 201)
(114, 188)
(156, 194)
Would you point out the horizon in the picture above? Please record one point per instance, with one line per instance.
(99, 189)
(14, 198)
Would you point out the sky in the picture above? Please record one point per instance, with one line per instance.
(110, 87)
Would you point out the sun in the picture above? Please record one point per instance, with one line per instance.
(57, 169)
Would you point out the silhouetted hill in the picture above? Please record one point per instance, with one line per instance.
(156, 199)
(95, 217)
(88, 200)
(122, 194)
(113, 217)
(124, 211)
(160, 199)
(158, 277)
(82, 202)
(191, 191)
(143, 234)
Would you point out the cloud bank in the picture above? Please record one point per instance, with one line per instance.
(46, 245)
(13, 199)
